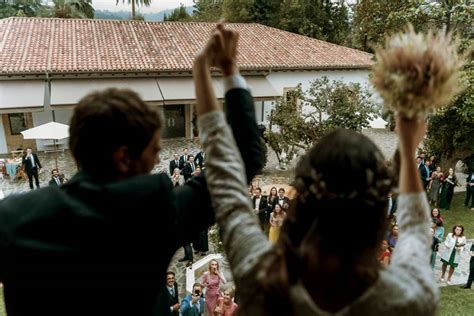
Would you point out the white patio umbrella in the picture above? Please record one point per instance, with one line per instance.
(52, 130)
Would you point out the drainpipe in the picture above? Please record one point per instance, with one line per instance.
(47, 96)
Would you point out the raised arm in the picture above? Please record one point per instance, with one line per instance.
(193, 201)
(243, 240)
(410, 257)
(239, 101)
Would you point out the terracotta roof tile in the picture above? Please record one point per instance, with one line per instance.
(38, 45)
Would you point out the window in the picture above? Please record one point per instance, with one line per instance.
(17, 123)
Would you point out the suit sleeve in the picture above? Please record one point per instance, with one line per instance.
(195, 212)
(194, 209)
(37, 161)
(241, 118)
(185, 304)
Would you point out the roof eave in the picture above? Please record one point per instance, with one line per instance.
(166, 72)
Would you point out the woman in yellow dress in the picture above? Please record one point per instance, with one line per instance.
(276, 220)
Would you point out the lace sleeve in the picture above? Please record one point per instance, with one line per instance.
(410, 267)
(243, 239)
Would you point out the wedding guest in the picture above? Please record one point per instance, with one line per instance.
(56, 179)
(392, 237)
(177, 179)
(272, 196)
(470, 278)
(212, 280)
(434, 247)
(447, 190)
(276, 221)
(384, 256)
(193, 304)
(225, 304)
(438, 224)
(435, 186)
(173, 295)
(470, 190)
(32, 166)
(455, 242)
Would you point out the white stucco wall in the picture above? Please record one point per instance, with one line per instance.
(61, 116)
(290, 79)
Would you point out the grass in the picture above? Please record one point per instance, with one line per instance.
(454, 301)
(3, 312)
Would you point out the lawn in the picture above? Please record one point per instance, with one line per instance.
(454, 301)
(2, 306)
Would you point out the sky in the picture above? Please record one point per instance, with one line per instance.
(156, 5)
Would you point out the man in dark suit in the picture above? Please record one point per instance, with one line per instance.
(201, 159)
(189, 169)
(424, 171)
(56, 179)
(32, 165)
(260, 207)
(172, 291)
(470, 278)
(470, 190)
(102, 242)
(183, 159)
(174, 164)
(282, 199)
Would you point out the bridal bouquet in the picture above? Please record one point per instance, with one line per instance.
(416, 73)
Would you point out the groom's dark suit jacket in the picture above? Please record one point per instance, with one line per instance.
(103, 248)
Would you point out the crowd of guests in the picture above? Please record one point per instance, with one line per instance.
(440, 184)
(210, 296)
(271, 210)
(185, 167)
(454, 244)
(181, 170)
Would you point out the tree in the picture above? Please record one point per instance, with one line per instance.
(376, 19)
(237, 10)
(135, 3)
(19, 8)
(73, 9)
(450, 130)
(178, 14)
(300, 118)
(207, 10)
(320, 19)
(265, 12)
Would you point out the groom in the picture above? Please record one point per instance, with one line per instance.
(102, 242)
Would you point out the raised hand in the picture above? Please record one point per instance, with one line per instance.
(221, 50)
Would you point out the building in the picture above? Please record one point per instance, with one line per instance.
(48, 65)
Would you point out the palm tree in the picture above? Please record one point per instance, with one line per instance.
(73, 9)
(137, 2)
